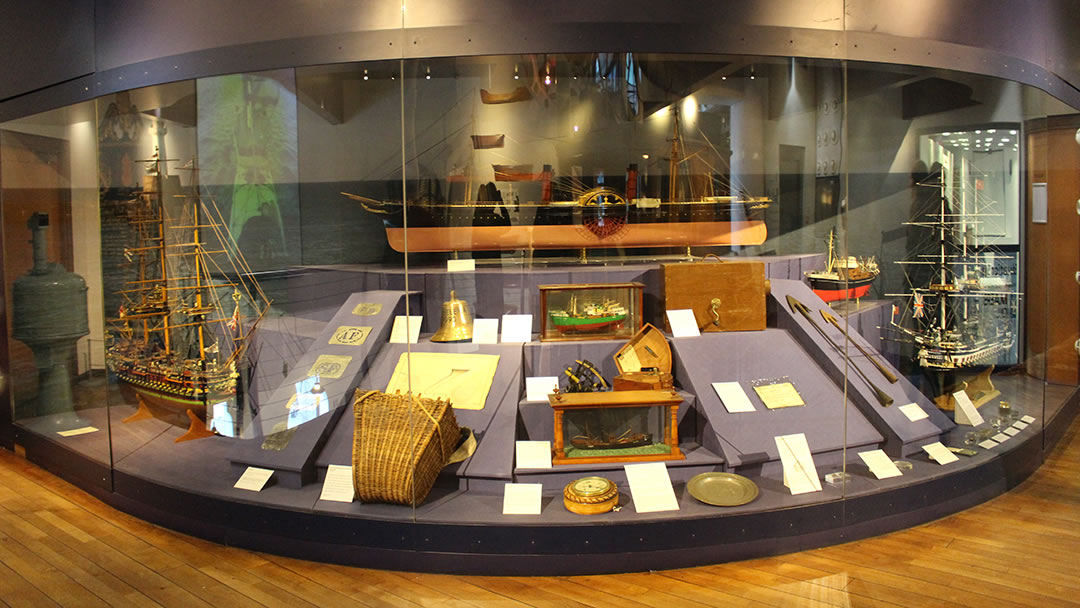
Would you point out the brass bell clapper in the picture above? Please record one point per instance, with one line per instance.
(457, 321)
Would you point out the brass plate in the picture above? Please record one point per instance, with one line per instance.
(367, 309)
(329, 366)
(350, 335)
(722, 489)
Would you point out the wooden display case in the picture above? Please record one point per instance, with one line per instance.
(619, 426)
(592, 311)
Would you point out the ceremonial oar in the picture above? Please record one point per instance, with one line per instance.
(891, 377)
(796, 305)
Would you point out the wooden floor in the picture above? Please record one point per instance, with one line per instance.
(60, 546)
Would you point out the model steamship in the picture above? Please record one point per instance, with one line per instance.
(180, 336)
(608, 314)
(595, 218)
(849, 278)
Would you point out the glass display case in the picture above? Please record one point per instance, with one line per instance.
(205, 277)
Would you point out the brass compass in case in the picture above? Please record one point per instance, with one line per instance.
(590, 495)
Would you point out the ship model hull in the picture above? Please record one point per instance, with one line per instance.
(567, 325)
(833, 289)
(612, 443)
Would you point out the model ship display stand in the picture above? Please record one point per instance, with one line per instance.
(621, 442)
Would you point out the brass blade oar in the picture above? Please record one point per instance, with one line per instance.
(796, 305)
(891, 377)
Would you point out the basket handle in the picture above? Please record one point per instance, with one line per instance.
(711, 255)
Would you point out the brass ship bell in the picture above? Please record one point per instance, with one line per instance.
(457, 321)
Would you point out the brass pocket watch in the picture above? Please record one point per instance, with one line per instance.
(590, 495)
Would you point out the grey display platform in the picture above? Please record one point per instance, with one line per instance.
(461, 528)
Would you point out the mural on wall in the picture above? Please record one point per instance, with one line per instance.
(248, 158)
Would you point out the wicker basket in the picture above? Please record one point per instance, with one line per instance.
(399, 448)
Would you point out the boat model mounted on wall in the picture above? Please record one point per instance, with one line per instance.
(599, 217)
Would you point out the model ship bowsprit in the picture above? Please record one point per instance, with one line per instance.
(849, 278)
(594, 218)
(954, 290)
(180, 337)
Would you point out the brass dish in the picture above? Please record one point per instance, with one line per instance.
(722, 489)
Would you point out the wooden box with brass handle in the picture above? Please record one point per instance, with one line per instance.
(724, 295)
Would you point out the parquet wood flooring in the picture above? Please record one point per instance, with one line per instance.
(61, 547)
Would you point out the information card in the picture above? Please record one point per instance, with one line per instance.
(733, 397)
(522, 498)
(253, 479)
(461, 265)
(913, 412)
(532, 454)
(650, 487)
(338, 485)
(79, 431)
(940, 453)
(406, 330)
(516, 328)
(485, 331)
(683, 323)
(537, 388)
(965, 412)
(800, 472)
(880, 464)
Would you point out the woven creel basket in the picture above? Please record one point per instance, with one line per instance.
(400, 443)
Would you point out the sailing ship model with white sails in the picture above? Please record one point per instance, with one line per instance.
(181, 338)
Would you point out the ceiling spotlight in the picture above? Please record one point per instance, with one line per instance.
(427, 75)
(645, 156)
(575, 128)
(1012, 132)
(365, 75)
(516, 73)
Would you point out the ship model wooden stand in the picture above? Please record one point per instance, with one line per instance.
(181, 338)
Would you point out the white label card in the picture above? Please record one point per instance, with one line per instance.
(650, 487)
(338, 485)
(1012, 432)
(406, 329)
(986, 444)
(913, 412)
(1021, 425)
(516, 328)
(683, 323)
(522, 498)
(1000, 438)
(79, 431)
(939, 453)
(1028, 419)
(461, 265)
(485, 331)
(965, 412)
(733, 396)
(532, 454)
(537, 388)
(253, 479)
(800, 472)
(880, 464)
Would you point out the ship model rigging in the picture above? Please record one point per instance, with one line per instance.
(956, 295)
(691, 215)
(181, 337)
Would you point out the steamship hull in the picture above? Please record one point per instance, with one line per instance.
(832, 289)
(486, 227)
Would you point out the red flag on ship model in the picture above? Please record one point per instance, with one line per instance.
(234, 320)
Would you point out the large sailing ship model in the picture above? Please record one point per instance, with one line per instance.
(182, 336)
(959, 309)
(692, 214)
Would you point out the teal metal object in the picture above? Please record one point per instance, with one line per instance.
(49, 315)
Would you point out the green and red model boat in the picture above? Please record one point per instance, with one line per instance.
(593, 317)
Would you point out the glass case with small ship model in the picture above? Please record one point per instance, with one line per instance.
(599, 311)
